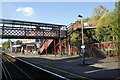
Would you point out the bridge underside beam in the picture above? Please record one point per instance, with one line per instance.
(15, 29)
(28, 37)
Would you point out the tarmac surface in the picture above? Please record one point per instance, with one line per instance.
(72, 67)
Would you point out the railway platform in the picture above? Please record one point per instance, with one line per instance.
(72, 67)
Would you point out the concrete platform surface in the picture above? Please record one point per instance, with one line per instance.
(72, 67)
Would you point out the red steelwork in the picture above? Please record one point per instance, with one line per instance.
(66, 46)
(102, 46)
(106, 45)
(69, 47)
(60, 46)
(79, 25)
(30, 30)
(39, 31)
(54, 46)
(45, 45)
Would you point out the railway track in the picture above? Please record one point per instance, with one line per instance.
(18, 69)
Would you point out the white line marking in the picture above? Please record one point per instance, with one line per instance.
(43, 69)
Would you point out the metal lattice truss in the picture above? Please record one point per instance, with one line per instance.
(30, 30)
(35, 30)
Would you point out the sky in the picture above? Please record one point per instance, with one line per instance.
(62, 13)
(51, 12)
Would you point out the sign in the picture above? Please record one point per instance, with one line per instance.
(82, 51)
(83, 46)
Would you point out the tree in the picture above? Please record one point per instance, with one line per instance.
(117, 7)
(18, 42)
(117, 11)
(98, 12)
(75, 39)
(108, 27)
(84, 20)
(6, 45)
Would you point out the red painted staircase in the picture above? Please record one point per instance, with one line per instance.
(71, 29)
(45, 45)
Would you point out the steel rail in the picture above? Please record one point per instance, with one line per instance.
(18, 68)
(4, 73)
(7, 72)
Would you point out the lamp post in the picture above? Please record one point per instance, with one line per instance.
(10, 46)
(83, 46)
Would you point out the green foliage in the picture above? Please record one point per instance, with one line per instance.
(107, 27)
(98, 12)
(117, 12)
(84, 20)
(76, 39)
(6, 45)
(117, 7)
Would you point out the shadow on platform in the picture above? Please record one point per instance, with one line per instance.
(74, 67)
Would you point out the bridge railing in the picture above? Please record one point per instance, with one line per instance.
(26, 29)
(20, 31)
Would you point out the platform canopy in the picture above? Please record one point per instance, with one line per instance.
(16, 45)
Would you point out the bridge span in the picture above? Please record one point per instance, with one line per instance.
(16, 29)
(52, 33)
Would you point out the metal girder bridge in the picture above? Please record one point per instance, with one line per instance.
(15, 29)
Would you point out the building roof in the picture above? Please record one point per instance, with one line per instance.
(16, 45)
(29, 44)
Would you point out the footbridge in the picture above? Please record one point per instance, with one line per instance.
(15, 29)
(30, 30)
(52, 33)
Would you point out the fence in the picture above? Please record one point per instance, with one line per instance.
(107, 47)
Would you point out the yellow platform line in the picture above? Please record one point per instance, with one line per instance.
(66, 72)
(73, 60)
(62, 71)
